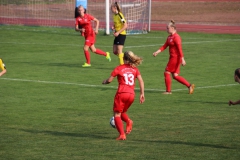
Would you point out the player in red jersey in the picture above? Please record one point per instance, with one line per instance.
(175, 60)
(84, 20)
(237, 79)
(126, 75)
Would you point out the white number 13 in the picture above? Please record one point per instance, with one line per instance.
(129, 79)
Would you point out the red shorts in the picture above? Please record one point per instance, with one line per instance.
(89, 40)
(173, 65)
(122, 102)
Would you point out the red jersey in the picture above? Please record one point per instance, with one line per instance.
(175, 46)
(85, 22)
(126, 78)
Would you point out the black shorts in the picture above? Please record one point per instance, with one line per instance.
(119, 40)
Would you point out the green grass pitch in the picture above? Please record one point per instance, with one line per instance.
(52, 108)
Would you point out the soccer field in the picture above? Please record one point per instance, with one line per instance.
(52, 108)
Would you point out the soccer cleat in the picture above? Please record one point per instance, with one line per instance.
(167, 93)
(129, 126)
(121, 137)
(108, 56)
(191, 89)
(86, 65)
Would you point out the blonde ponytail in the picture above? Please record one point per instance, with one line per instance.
(132, 59)
(172, 24)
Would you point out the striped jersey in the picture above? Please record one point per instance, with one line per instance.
(2, 65)
(119, 21)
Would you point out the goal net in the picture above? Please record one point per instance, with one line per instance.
(38, 12)
(61, 13)
(136, 12)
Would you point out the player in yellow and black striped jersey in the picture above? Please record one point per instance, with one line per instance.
(3, 68)
(119, 28)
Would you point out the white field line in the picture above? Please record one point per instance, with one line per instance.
(45, 44)
(73, 32)
(108, 86)
(130, 36)
(199, 42)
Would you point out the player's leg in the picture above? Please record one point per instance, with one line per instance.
(118, 47)
(97, 51)
(170, 68)
(181, 80)
(87, 56)
(168, 82)
(118, 109)
(128, 99)
(100, 52)
(119, 126)
(120, 54)
(115, 51)
(184, 82)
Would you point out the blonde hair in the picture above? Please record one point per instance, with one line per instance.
(172, 24)
(115, 4)
(132, 59)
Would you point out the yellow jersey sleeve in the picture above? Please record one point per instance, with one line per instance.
(119, 21)
(2, 66)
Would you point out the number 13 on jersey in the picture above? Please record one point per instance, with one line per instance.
(129, 78)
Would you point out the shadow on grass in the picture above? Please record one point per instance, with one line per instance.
(188, 143)
(78, 65)
(73, 65)
(209, 102)
(57, 133)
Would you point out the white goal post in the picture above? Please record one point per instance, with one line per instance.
(136, 12)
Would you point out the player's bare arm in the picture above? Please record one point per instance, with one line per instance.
(97, 25)
(156, 53)
(109, 80)
(3, 72)
(141, 84)
(78, 29)
(183, 61)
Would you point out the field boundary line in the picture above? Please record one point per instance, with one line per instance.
(114, 87)
(226, 40)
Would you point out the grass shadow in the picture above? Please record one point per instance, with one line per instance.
(189, 144)
(207, 102)
(57, 133)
